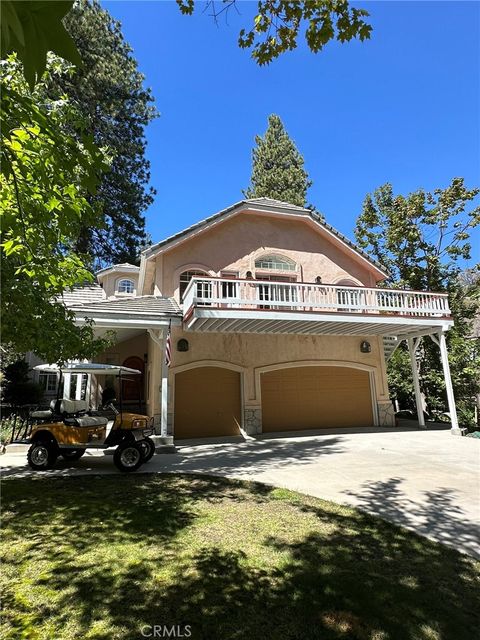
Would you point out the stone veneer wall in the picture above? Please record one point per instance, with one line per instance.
(386, 414)
(252, 420)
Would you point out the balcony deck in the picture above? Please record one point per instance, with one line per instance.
(261, 306)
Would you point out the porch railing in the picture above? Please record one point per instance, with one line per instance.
(223, 293)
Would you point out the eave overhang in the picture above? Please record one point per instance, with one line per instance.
(311, 323)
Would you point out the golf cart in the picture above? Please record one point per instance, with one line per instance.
(69, 428)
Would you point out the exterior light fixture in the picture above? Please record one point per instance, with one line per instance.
(365, 347)
(249, 275)
(182, 345)
(318, 279)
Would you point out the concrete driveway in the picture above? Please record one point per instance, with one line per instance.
(427, 481)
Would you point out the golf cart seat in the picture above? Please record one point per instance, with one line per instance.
(46, 414)
(73, 407)
(74, 413)
(86, 421)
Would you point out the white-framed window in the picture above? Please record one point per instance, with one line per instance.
(275, 262)
(229, 289)
(185, 278)
(48, 382)
(126, 286)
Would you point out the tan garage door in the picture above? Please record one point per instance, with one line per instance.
(207, 403)
(316, 397)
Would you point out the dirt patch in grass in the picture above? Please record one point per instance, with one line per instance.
(107, 558)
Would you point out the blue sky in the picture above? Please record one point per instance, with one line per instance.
(402, 107)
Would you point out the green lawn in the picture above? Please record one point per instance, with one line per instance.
(100, 557)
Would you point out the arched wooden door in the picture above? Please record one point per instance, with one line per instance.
(207, 403)
(133, 386)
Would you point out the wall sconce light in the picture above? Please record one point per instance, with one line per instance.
(365, 347)
(249, 275)
(182, 345)
(318, 279)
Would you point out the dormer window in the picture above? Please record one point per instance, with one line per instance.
(126, 286)
(275, 263)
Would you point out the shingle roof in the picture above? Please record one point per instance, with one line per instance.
(142, 304)
(119, 267)
(268, 203)
(271, 202)
(81, 295)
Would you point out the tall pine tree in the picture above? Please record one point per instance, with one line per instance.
(278, 170)
(109, 93)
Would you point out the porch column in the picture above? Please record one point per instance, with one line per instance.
(413, 344)
(88, 391)
(439, 340)
(78, 388)
(164, 442)
(164, 392)
(66, 385)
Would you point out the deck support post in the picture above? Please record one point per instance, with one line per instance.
(440, 341)
(413, 344)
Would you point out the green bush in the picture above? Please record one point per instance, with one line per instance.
(18, 389)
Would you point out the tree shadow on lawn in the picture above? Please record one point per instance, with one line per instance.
(353, 576)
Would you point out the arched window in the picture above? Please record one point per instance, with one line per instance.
(185, 278)
(126, 286)
(276, 263)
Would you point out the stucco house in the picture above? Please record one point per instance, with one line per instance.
(276, 323)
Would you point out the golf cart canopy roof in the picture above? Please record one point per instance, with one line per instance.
(88, 367)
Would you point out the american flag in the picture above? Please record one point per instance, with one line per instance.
(168, 346)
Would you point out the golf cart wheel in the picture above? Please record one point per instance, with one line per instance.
(128, 456)
(42, 455)
(148, 448)
(72, 454)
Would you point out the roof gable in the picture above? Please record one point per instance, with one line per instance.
(264, 205)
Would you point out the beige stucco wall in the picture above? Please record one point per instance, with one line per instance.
(253, 353)
(235, 244)
(110, 282)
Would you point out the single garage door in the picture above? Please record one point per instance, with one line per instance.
(316, 397)
(207, 403)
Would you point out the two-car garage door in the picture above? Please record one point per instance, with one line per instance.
(208, 400)
(316, 397)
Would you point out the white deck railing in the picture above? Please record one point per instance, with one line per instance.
(225, 293)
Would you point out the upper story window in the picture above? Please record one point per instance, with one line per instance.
(126, 286)
(185, 278)
(275, 262)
